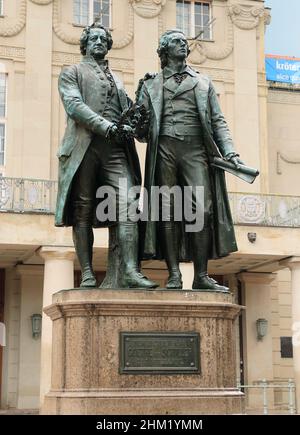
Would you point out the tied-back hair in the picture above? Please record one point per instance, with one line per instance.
(164, 44)
(86, 32)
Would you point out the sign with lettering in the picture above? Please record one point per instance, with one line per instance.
(159, 352)
(283, 69)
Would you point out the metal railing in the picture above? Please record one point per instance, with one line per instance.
(23, 195)
(265, 385)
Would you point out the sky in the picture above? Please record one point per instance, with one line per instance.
(283, 34)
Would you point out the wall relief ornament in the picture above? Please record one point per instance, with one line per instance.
(41, 2)
(148, 8)
(251, 209)
(59, 28)
(128, 37)
(12, 52)
(243, 17)
(286, 159)
(267, 17)
(201, 50)
(248, 17)
(70, 34)
(12, 27)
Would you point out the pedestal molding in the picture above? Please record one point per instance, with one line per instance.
(154, 309)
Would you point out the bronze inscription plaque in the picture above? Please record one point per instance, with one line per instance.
(159, 353)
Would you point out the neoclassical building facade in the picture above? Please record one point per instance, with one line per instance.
(226, 37)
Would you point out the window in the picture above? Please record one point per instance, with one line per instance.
(1, 7)
(2, 143)
(2, 95)
(194, 18)
(2, 116)
(286, 347)
(86, 11)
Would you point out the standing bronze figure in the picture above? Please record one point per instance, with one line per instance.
(97, 149)
(186, 132)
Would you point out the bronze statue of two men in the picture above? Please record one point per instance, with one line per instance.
(177, 113)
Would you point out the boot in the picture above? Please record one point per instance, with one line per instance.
(83, 239)
(128, 246)
(170, 250)
(200, 249)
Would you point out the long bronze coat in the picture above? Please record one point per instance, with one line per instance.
(218, 142)
(84, 98)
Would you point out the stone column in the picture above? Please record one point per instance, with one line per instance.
(31, 285)
(146, 22)
(58, 275)
(10, 369)
(187, 270)
(246, 23)
(37, 90)
(257, 353)
(294, 265)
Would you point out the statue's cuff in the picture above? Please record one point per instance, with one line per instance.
(108, 131)
(230, 155)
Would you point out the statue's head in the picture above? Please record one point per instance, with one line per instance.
(172, 44)
(95, 40)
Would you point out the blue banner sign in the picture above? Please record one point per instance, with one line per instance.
(283, 69)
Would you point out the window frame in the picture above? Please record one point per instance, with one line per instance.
(2, 164)
(192, 24)
(91, 14)
(3, 120)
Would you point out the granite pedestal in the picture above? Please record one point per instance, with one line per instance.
(87, 369)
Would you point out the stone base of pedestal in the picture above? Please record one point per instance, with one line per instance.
(153, 402)
(91, 375)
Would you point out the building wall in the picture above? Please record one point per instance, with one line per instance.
(32, 87)
(281, 327)
(10, 380)
(284, 132)
(31, 285)
(38, 38)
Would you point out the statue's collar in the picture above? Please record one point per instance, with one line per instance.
(102, 63)
(169, 72)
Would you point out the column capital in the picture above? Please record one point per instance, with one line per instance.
(57, 253)
(292, 263)
(256, 277)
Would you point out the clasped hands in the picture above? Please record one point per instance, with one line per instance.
(133, 122)
(120, 133)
